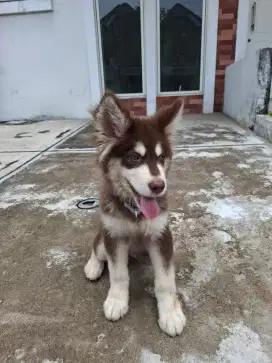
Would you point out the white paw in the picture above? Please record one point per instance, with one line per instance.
(94, 268)
(172, 321)
(115, 308)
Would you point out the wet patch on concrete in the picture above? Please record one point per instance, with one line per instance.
(220, 201)
(21, 135)
(83, 140)
(32, 136)
(21, 143)
(7, 165)
(11, 161)
(61, 134)
(191, 131)
(39, 195)
(210, 132)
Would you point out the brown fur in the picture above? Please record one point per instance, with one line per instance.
(148, 130)
(166, 246)
(135, 155)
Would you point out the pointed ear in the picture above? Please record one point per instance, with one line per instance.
(111, 117)
(168, 117)
(112, 121)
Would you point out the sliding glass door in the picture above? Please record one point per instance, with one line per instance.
(120, 40)
(180, 31)
(122, 31)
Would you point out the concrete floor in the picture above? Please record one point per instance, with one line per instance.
(20, 143)
(221, 214)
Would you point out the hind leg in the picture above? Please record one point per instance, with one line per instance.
(95, 266)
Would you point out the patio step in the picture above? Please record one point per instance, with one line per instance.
(263, 126)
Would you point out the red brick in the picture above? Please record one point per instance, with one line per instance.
(139, 104)
(226, 48)
(193, 104)
(226, 39)
(195, 101)
(138, 107)
(196, 97)
(226, 25)
(225, 62)
(224, 56)
(223, 16)
(227, 32)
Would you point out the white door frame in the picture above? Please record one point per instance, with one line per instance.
(149, 54)
(92, 50)
(150, 37)
(242, 29)
(210, 52)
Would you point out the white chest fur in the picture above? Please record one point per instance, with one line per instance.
(124, 227)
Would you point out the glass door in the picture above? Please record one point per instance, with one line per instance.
(161, 38)
(120, 44)
(180, 30)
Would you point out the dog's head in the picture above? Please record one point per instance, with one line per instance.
(135, 153)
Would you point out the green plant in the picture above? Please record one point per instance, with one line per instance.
(270, 113)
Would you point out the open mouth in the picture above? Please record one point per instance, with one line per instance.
(148, 206)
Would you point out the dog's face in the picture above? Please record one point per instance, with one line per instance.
(135, 153)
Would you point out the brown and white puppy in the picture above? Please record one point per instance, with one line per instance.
(135, 155)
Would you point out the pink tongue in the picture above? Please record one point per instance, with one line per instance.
(149, 207)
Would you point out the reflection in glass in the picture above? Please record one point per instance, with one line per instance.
(180, 45)
(120, 25)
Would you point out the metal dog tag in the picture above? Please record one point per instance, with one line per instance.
(134, 209)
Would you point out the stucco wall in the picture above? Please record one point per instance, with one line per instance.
(43, 63)
(247, 80)
(247, 86)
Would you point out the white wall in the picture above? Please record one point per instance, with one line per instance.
(246, 85)
(270, 102)
(244, 95)
(261, 37)
(242, 89)
(43, 63)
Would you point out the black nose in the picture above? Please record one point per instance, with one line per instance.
(157, 186)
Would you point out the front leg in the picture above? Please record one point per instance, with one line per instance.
(171, 317)
(95, 266)
(116, 304)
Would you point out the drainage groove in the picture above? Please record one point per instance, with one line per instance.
(90, 203)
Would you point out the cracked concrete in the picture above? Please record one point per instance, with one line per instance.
(220, 200)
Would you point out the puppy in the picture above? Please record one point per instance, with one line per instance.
(135, 154)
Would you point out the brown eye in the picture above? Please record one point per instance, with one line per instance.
(161, 158)
(133, 157)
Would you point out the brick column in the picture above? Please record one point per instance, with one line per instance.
(192, 104)
(226, 40)
(137, 106)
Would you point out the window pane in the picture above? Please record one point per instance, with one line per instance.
(120, 24)
(180, 45)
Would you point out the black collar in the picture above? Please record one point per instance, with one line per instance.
(133, 207)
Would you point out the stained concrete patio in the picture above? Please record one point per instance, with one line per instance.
(221, 213)
(20, 143)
